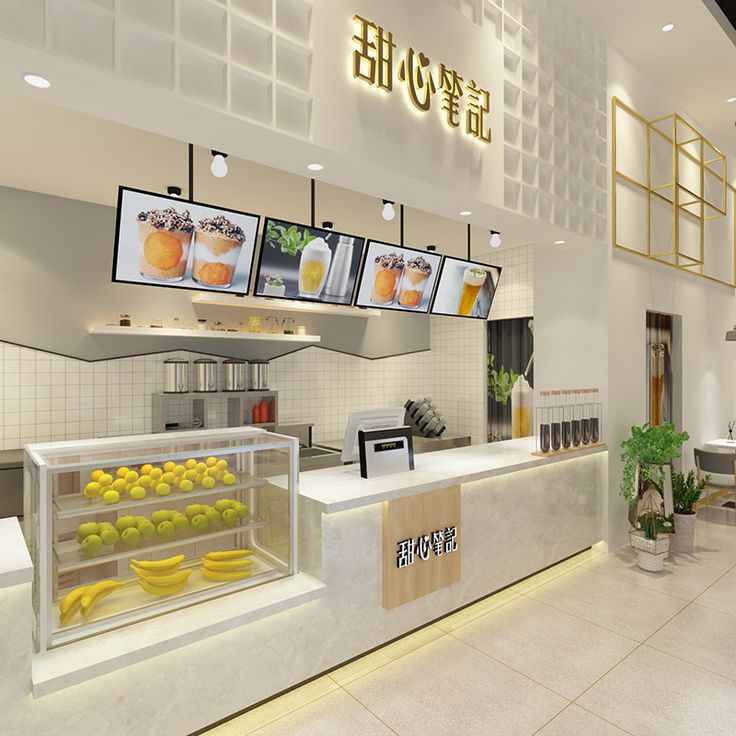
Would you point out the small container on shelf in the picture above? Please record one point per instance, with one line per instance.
(254, 323)
(125, 320)
(201, 324)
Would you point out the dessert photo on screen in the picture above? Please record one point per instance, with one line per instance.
(396, 277)
(307, 263)
(166, 241)
(465, 289)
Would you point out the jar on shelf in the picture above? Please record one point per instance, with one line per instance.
(125, 320)
(254, 323)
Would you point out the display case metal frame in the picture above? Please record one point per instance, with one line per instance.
(40, 510)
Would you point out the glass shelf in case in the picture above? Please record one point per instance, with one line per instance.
(125, 528)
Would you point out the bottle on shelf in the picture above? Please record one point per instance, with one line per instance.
(521, 409)
(566, 419)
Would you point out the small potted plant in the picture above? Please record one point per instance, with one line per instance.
(646, 453)
(274, 285)
(686, 492)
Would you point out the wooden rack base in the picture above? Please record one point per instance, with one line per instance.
(569, 450)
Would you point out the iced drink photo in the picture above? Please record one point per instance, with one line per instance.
(413, 282)
(313, 268)
(473, 280)
(217, 245)
(165, 236)
(387, 270)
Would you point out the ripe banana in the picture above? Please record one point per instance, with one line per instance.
(227, 565)
(159, 564)
(71, 598)
(161, 589)
(165, 581)
(223, 577)
(231, 554)
(163, 572)
(101, 590)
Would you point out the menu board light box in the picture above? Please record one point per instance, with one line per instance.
(167, 241)
(395, 277)
(465, 289)
(307, 263)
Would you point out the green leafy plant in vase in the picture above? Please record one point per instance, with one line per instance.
(501, 382)
(686, 492)
(645, 454)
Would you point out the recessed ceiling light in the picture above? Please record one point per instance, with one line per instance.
(667, 27)
(315, 167)
(731, 99)
(559, 242)
(36, 81)
(465, 213)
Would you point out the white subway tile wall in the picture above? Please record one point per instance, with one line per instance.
(48, 398)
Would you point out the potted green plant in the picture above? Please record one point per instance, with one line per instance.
(646, 453)
(686, 492)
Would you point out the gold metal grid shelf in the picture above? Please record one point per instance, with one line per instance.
(684, 173)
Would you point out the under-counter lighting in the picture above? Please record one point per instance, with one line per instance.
(36, 81)
(218, 167)
(465, 213)
(667, 27)
(315, 167)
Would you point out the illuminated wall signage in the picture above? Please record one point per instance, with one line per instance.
(441, 541)
(463, 104)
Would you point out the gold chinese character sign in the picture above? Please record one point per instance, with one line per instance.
(464, 105)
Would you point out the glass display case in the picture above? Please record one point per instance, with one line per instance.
(125, 528)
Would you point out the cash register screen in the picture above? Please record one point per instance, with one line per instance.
(367, 420)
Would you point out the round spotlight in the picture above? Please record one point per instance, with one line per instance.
(315, 167)
(731, 99)
(559, 242)
(431, 248)
(173, 191)
(495, 240)
(327, 224)
(218, 167)
(667, 27)
(465, 213)
(36, 81)
(388, 212)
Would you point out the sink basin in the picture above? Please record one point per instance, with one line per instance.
(311, 458)
(315, 451)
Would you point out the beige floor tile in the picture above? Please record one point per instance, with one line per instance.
(448, 687)
(721, 595)
(710, 552)
(654, 694)
(560, 651)
(470, 613)
(384, 655)
(552, 573)
(574, 721)
(703, 636)
(681, 577)
(336, 714)
(275, 709)
(618, 605)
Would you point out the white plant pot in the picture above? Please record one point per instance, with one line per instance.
(683, 540)
(269, 290)
(652, 552)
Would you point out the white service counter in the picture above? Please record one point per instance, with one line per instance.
(519, 515)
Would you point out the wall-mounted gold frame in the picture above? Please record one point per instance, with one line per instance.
(694, 190)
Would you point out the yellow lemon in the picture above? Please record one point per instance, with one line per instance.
(105, 480)
(189, 464)
(212, 471)
(122, 472)
(168, 477)
(95, 475)
(169, 466)
(131, 476)
(137, 493)
(163, 489)
(200, 468)
(119, 485)
(210, 461)
(144, 481)
(229, 479)
(221, 464)
(92, 489)
(146, 469)
(208, 481)
(156, 473)
(185, 485)
(191, 474)
(179, 470)
(111, 496)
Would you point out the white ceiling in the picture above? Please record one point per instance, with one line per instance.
(694, 64)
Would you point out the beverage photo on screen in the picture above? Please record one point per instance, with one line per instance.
(465, 289)
(396, 277)
(307, 263)
(167, 241)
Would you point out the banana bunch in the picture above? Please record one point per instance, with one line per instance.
(162, 577)
(226, 566)
(85, 598)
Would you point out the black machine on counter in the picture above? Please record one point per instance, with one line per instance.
(424, 418)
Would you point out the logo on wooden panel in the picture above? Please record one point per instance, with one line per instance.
(421, 545)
